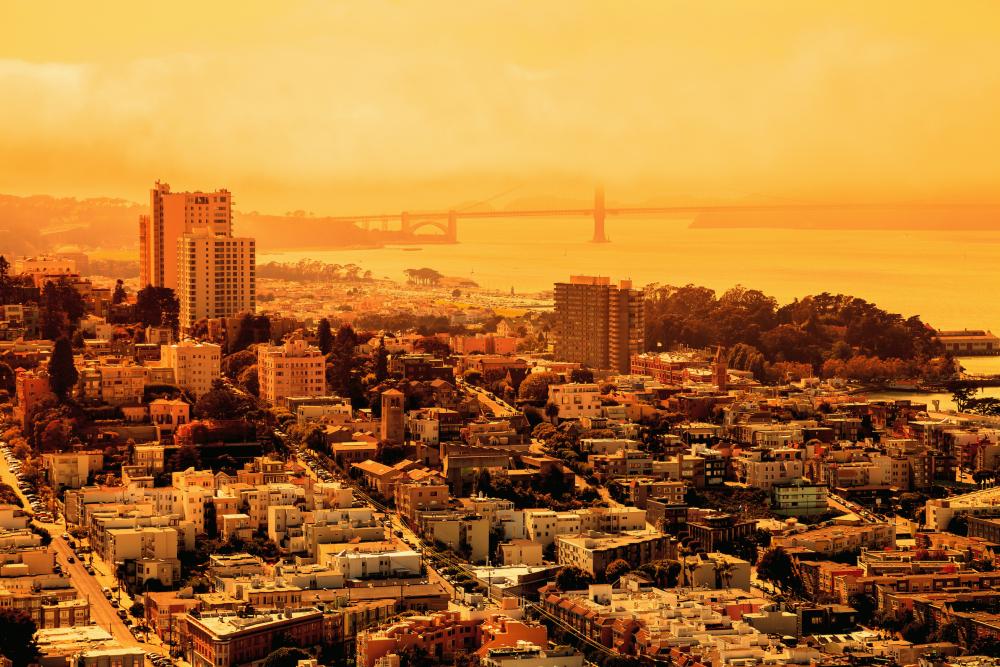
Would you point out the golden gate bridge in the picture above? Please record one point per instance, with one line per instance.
(446, 222)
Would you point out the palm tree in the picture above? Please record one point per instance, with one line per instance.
(723, 573)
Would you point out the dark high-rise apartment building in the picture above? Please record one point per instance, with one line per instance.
(597, 323)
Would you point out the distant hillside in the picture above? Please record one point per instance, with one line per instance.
(40, 223)
(928, 218)
(282, 232)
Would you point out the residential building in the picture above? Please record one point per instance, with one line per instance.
(196, 365)
(31, 389)
(72, 469)
(172, 215)
(168, 414)
(292, 369)
(598, 324)
(838, 539)
(216, 276)
(799, 497)
(713, 529)
(593, 551)
(228, 640)
(969, 342)
(576, 400)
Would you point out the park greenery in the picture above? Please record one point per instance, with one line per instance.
(833, 335)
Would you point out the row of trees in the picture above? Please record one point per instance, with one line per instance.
(424, 276)
(312, 270)
(813, 331)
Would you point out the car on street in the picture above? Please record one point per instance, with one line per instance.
(70, 560)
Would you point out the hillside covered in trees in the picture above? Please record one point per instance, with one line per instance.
(827, 334)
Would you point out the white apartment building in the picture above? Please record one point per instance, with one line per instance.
(293, 369)
(195, 365)
(362, 565)
(122, 384)
(576, 400)
(44, 265)
(543, 526)
(215, 276)
(763, 469)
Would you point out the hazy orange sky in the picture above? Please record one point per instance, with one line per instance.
(340, 106)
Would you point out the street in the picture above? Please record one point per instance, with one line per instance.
(88, 586)
(410, 540)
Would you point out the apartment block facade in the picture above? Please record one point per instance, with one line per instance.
(215, 276)
(171, 215)
(292, 369)
(599, 324)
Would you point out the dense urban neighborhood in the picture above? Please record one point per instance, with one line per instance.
(215, 467)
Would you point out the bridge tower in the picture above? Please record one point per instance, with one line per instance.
(599, 214)
(452, 234)
(404, 222)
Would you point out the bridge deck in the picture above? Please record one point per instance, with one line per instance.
(641, 210)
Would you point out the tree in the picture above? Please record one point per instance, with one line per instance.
(341, 361)
(285, 657)
(249, 380)
(186, 457)
(581, 375)
(552, 412)
(7, 376)
(137, 609)
(61, 307)
(62, 371)
(324, 336)
(158, 306)
(572, 578)
(381, 364)
(866, 605)
(776, 566)
(119, 295)
(55, 437)
(959, 525)
(433, 346)
(5, 281)
(251, 329)
(18, 632)
(221, 402)
(616, 569)
(535, 387)
(234, 364)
